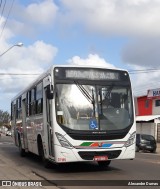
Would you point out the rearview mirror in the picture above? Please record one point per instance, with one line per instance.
(50, 92)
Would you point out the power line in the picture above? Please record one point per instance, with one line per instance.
(19, 74)
(0, 3)
(7, 18)
(150, 85)
(25, 77)
(143, 71)
(2, 9)
(130, 72)
(147, 86)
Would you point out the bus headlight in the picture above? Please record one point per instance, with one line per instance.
(63, 141)
(131, 140)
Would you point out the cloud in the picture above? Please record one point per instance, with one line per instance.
(33, 59)
(43, 13)
(141, 82)
(142, 52)
(131, 18)
(114, 17)
(5, 33)
(91, 60)
(39, 16)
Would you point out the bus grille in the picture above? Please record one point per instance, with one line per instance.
(90, 136)
(91, 154)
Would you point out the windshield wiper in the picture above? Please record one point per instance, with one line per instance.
(86, 94)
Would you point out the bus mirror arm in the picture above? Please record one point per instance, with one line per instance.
(50, 92)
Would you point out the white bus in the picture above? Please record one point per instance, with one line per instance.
(75, 114)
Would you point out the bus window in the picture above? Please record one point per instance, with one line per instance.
(39, 98)
(19, 108)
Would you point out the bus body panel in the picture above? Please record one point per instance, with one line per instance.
(71, 155)
(45, 126)
(34, 127)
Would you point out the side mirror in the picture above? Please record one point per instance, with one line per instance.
(50, 92)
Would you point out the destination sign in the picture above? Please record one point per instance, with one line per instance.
(92, 74)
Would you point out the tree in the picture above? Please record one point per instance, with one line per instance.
(4, 118)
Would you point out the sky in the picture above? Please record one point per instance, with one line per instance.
(121, 34)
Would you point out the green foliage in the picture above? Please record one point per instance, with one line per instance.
(4, 118)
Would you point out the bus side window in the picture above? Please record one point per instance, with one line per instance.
(28, 103)
(39, 98)
(13, 111)
(33, 103)
(18, 108)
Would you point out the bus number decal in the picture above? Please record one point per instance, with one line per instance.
(62, 159)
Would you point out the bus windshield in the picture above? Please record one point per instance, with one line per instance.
(94, 107)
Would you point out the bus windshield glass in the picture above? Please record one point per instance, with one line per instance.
(94, 107)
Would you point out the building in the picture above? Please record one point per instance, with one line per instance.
(148, 113)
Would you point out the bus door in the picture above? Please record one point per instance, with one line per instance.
(48, 116)
(13, 116)
(24, 122)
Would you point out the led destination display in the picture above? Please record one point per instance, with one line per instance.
(90, 74)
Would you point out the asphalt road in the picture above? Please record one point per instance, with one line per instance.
(146, 166)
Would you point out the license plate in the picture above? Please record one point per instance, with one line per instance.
(100, 158)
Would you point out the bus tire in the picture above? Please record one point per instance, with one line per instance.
(104, 164)
(21, 150)
(46, 163)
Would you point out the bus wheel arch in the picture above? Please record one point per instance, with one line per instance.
(40, 146)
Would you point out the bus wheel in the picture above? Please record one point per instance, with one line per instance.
(42, 156)
(104, 164)
(21, 150)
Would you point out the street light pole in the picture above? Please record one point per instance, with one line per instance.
(18, 45)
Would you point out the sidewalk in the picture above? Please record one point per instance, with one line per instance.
(19, 176)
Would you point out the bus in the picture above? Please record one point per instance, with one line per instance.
(76, 114)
